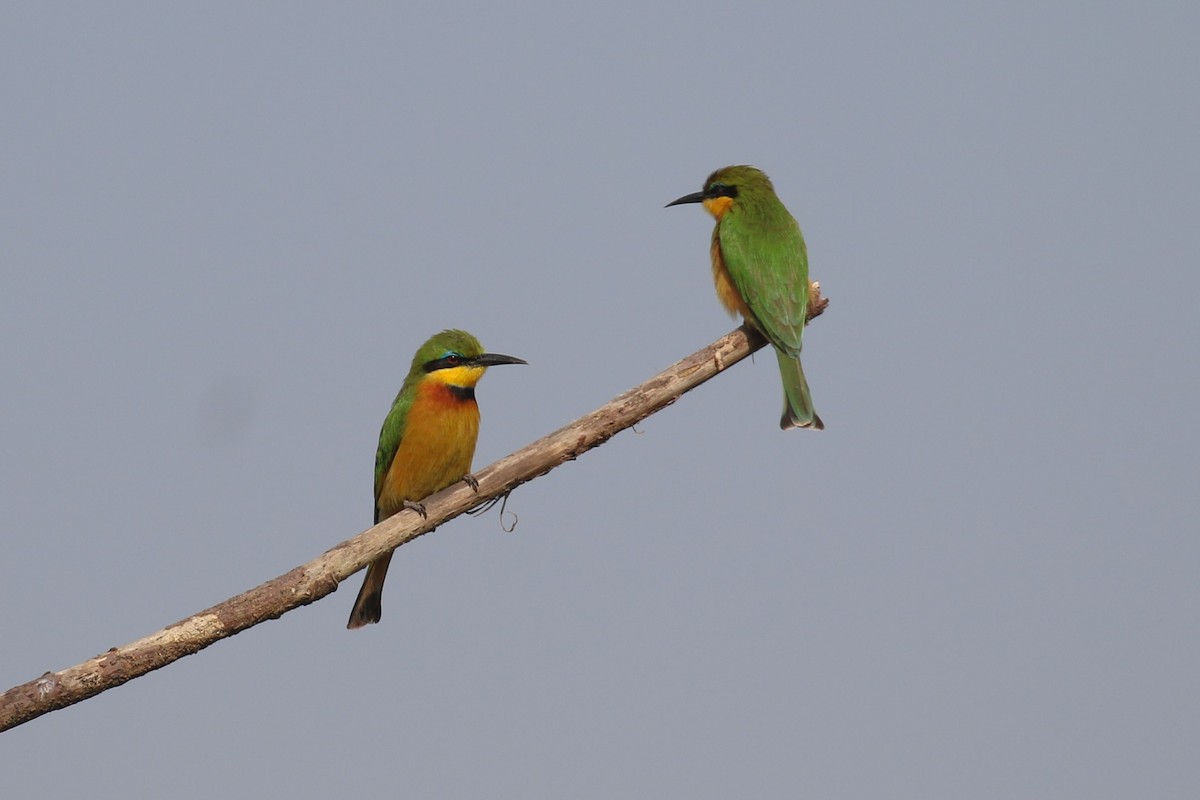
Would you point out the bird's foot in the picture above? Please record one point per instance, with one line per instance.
(471, 481)
(417, 507)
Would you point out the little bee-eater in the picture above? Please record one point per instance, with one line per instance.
(427, 441)
(760, 267)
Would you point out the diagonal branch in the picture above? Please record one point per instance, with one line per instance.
(312, 581)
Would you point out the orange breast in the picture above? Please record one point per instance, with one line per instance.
(436, 450)
(727, 293)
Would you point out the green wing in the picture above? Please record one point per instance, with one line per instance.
(389, 439)
(768, 262)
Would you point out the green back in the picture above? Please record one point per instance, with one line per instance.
(766, 257)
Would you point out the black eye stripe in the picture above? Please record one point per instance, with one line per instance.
(719, 190)
(445, 362)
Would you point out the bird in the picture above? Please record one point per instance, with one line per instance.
(427, 441)
(760, 268)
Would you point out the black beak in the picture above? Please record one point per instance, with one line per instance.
(694, 197)
(495, 359)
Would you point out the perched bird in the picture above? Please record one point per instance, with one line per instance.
(760, 267)
(427, 441)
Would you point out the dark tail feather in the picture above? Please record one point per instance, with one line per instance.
(788, 421)
(368, 606)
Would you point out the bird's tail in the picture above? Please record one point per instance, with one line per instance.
(368, 606)
(798, 409)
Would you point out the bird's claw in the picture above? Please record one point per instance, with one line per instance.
(471, 481)
(417, 507)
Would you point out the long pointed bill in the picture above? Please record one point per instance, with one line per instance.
(694, 197)
(495, 359)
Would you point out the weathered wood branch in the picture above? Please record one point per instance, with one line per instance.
(312, 581)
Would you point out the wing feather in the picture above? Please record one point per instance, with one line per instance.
(768, 263)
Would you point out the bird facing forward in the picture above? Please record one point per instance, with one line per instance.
(427, 441)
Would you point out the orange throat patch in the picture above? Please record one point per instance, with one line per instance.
(717, 206)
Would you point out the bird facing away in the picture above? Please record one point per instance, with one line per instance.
(760, 268)
(427, 441)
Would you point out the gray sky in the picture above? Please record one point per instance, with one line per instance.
(224, 229)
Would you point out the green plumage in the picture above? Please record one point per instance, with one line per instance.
(758, 244)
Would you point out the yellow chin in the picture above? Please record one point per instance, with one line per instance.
(465, 377)
(717, 206)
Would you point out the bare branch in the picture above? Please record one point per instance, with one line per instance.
(312, 581)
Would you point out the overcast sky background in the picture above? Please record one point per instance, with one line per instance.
(225, 228)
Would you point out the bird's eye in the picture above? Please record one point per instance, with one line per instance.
(452, 359)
